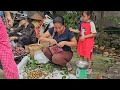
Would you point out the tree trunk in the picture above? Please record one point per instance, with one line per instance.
(101, 29)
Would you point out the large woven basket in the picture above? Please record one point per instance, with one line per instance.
(34, 48)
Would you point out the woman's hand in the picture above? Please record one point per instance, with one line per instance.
(61, 44)
(9, 22)
(8, 19)
(13, 38)
(52, 42)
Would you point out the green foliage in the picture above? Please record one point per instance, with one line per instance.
(71, 19)
(76, 56)
(101, 64)
(107, 60)
(32, 63)
(64, 77)
(114, 19)
(104, 41)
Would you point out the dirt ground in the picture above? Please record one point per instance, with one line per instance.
(1, 74)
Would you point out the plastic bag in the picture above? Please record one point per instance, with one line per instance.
(23, 62)
(40, 57)
(21, 65)
(13, 43)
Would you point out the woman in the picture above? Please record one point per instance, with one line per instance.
(25, 33)
(63, 38)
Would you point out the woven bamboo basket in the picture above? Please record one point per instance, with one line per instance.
(34, 48)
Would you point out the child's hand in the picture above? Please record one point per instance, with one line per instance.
(70, 29)
(82, 38)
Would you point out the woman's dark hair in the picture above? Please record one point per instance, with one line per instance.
(58, 19)
(89, 13)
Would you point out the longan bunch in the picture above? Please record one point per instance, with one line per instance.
(35, 74)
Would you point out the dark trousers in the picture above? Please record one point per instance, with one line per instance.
(60, 58)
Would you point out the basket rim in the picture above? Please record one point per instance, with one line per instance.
(35, 45)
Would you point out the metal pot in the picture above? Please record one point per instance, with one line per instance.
(82, 64)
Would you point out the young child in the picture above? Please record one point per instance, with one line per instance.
(86, 39)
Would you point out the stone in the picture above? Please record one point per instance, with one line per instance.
(102, 48)
(113, 49)
(105, 54)
(96, 46)
(118, 63)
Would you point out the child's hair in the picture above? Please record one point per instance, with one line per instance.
(89, 13)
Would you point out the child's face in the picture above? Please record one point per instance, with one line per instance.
(85, 17)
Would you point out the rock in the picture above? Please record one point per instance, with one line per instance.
(115, 71)
(96, 46)
(118, 63)
(106, 54)
(117, 51)
(113, 49)
(110, 76)
(119, 55)
(111, 54)
(107, 50)
(115, 57)
(102, 48)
